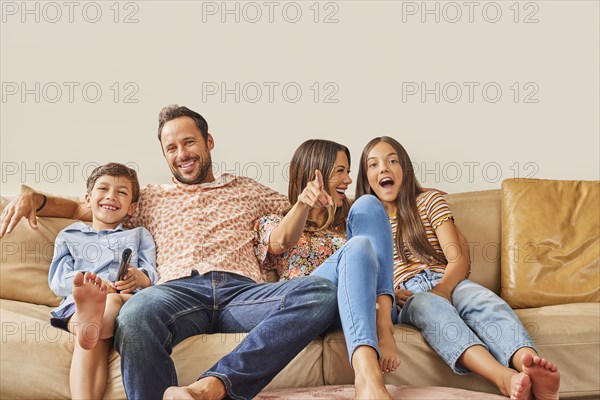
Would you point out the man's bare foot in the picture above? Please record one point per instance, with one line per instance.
(89, 293)
(390, 357)
(545, 378)
(177, 393)
(209, 388)
(520, 387)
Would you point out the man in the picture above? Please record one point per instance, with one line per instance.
(203, 229)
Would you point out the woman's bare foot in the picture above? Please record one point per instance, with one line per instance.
(89, 293)
(520, 387)
(390, 357)
(368, 379)
(545, 378)
(209, 388)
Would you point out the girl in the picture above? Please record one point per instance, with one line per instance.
(310, 239)
(430, 271)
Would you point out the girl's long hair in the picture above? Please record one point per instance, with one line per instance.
(312, 155)
(410, 232)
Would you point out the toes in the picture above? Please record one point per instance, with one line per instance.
(88, 277)
(527, 360)
(78, 279)
(97, 280)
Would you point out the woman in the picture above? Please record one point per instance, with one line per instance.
(311, 239)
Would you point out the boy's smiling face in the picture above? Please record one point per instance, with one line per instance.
(110, 201)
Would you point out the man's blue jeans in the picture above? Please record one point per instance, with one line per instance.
(477, 316)
(362, 269)
(282, 319)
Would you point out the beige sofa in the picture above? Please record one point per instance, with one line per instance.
(564, 321)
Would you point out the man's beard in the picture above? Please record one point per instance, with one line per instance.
(199, 177)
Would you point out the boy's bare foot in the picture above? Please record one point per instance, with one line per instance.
(368, 379)
(390, 357)
(520, 387)
(209, 388)
(89, 293)
(545, 378)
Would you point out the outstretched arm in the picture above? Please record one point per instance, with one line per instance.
(288, 232)
(26, 204)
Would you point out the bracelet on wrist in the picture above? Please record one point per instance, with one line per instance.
(40, 208)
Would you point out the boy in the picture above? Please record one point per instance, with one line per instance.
(91, 300)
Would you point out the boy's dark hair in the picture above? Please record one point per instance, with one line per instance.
(173, 111)
(118, 170)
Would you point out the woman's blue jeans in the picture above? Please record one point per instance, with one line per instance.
(362, 269)
(477, 316)
(282, 319)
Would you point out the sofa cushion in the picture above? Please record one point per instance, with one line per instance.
(26, 258)
(551, 242)
(565, 334)
(477, 215)
(32, 351)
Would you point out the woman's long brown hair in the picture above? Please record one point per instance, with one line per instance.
(410, 232)
(312, 155)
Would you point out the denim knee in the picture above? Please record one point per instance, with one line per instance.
(360, 246)
(322, 293)
(367, 204)
(135, 320)
(418, 307)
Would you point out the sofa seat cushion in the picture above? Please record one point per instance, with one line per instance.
(343, 392)
(565, 334)
(197, 354)
(420, 365)
(33, 351)
(35, 357)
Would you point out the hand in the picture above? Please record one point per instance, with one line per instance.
(442, 291)
(110, 286)
(133, 279)
(314, 195)
(401, 296)
(24, 205)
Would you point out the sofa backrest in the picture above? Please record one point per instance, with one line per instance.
(551, 236)
(25, 257)
(478, 216)
(26, 254)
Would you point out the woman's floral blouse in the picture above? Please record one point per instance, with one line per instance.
(310, 252)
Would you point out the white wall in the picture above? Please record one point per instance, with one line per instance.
(368, 58)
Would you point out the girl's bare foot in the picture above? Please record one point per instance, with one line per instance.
(89, 293)
(545, 378)
(520, 387)
(390, 357)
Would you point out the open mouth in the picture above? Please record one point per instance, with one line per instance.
(386, 183)
(186, 166)
(341, 191)
(109, 207)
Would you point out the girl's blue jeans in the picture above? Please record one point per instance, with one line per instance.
(477, 316)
